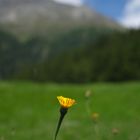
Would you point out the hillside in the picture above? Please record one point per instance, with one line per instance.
(63, 43)
(48, 15)
(81, 56)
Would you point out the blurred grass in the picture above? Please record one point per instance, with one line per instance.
(30, 111)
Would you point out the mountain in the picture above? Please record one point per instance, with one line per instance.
(64, 43)
(39, 15)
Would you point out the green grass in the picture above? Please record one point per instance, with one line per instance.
(30, 111)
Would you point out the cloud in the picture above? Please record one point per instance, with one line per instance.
(131, 15)
(71, 2)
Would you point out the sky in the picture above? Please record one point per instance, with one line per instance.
(126, 12)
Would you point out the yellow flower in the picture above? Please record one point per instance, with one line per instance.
(95, 116)
(65, 102)
(115, 131)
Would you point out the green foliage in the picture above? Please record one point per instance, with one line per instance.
(80, 55)
(8, 54)
(113, 57)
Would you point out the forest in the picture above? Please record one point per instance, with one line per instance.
(82, 55)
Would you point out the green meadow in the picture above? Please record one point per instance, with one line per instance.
(30, 111)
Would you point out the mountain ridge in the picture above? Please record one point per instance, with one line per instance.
(42, 14)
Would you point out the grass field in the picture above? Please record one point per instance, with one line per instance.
(30, 111)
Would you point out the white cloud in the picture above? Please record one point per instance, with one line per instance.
(131, 15)
(71, 2)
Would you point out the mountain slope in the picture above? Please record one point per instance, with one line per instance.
(39, 14)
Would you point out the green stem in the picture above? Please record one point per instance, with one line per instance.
(88, 107)
(63, 112)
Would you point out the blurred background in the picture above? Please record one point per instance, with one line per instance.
(73, 41)
(88, 50)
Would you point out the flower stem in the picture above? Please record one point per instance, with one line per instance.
(88, 109)
(63, 112)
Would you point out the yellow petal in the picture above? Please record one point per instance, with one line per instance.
(65, 102)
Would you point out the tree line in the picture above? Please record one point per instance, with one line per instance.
(79, 56)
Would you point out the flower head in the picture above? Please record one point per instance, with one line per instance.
(87, 94)
(115, 131)
(95, 117)
(65, 102)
